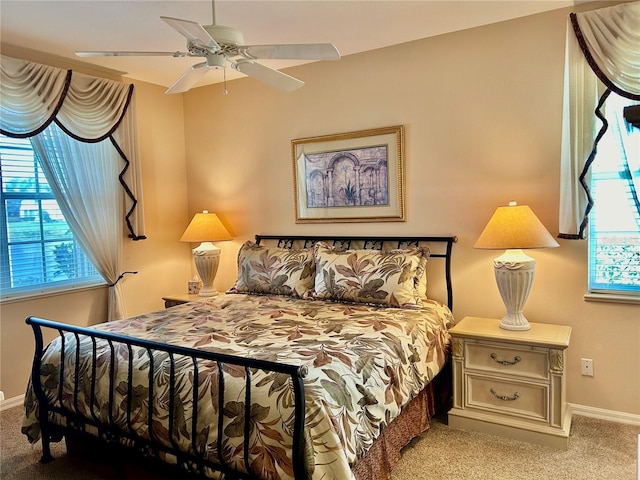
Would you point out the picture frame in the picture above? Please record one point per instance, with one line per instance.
(350, 177)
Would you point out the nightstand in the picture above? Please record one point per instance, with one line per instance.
(511, 383)
(173, 300)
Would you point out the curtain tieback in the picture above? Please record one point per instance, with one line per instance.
(120, 278)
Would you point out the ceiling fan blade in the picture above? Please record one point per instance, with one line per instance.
(302, 51)
(131, 54)
(188, 79)
(268, 75)
(193, 32)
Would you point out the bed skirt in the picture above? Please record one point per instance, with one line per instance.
(415, 419)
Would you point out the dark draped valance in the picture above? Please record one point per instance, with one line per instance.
(86, 108)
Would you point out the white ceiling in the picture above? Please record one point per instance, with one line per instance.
(62, 27)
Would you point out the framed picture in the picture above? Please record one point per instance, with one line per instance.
(350, 177)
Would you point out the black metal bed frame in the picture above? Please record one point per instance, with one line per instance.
(193, 463)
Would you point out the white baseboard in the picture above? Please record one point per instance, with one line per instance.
(603, 414)
(11, 402)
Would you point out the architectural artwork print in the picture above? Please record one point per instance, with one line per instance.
(349, 178)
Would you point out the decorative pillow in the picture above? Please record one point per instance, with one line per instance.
(370, 276)
(272, 270)
(422, 277)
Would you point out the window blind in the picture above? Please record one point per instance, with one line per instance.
(614, 226)
(38, 252)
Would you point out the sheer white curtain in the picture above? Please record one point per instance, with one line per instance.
(83, 129)
(602, 53)
(76, 173)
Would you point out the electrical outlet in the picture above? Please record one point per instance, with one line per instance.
(586, 367)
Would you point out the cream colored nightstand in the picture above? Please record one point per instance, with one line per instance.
(173, 300)
(511, 383)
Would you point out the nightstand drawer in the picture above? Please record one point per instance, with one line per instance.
(508, 397)
(529, 362)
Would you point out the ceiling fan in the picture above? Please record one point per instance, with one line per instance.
(219, 44)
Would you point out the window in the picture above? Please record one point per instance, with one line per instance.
(614, 231)
(38, 253)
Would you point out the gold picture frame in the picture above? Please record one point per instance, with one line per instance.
(350, 177)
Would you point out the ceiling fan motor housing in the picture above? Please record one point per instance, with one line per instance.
(222, 34)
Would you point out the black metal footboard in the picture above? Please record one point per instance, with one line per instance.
(195, 460)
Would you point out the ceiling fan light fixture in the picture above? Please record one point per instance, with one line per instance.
(216, 60)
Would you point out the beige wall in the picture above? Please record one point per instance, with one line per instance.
(162, 262)
(482, 112)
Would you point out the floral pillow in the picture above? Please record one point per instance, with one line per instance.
(276, 271)
(370, 276)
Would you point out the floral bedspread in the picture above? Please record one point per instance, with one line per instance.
(364, 364)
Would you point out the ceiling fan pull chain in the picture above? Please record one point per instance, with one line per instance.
(224, 77)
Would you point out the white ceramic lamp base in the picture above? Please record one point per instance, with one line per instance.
(207, 258)
(514, 275)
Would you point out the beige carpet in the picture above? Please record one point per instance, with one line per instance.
(598, 450)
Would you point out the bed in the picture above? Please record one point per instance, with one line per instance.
(322, 361)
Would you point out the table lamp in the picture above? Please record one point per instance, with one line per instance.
(206, 227)
(514, 227)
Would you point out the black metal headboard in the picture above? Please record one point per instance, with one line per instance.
(440, 247)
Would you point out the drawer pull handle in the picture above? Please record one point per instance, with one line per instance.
(504, 397)
(516, 359)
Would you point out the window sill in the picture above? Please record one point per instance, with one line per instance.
(612, 298)
(27, 296)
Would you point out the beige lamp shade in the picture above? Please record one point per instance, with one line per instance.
(515, 226)
(205, 227)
